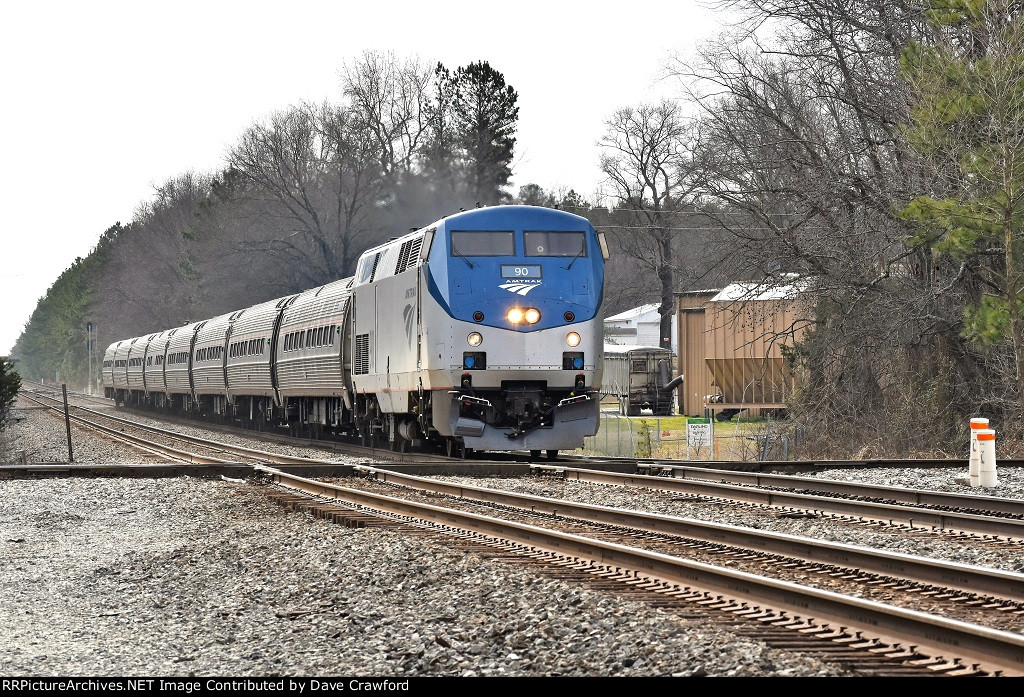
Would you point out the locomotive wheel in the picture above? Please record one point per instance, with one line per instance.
(534, 454)
(552, 454)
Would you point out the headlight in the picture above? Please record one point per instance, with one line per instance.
(515, 315)
(475, 339)
(573, 339)
(532, 316)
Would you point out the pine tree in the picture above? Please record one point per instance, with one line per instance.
(10, 383)
(474, 122)
(485, 119)
(968, 121)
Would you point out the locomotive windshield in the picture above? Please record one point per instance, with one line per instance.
(483, 243)
(555, 244)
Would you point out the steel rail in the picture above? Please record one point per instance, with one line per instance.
(761, 465)
(969, 578)
(695, 464)
(137, 441)
(352, 449)
(994, 650)
(264, 456)
(280, 439)
(919, 497)
(882, 512)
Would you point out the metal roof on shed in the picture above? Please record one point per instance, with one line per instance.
(757, 291)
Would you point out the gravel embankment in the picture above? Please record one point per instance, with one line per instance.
(185, 576)
(194, 577)
(955, 480)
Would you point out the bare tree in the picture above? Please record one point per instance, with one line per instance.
(801, 144)
(312, 171)
(645, 156)
(353, 184)
(150, 277)
(390, 97)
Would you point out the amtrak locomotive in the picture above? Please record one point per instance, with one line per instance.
(481, 331)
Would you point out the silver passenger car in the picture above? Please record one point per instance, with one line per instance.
(107, 369)
(156, 357)
(179, 359)
(311, 343)
(137, 363)
(208, 356)
(250, 350)
(121, 363)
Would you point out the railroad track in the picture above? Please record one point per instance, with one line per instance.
(986, 523)
(631, 463)
(938, 500)
(959, 514)
(792, 466)
(867, 635)
(159, 441)
(830, 557)
(347, 449)
(951, 590)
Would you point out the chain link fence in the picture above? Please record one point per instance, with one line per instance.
(652, 436)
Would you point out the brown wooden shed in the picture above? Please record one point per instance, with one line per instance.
(691, 339)
(730, 347)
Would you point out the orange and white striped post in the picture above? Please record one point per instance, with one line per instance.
(987, 458)
(974, 462)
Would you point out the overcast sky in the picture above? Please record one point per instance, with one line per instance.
(104, 100)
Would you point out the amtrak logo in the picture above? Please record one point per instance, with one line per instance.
(520, 287)
(409, 315)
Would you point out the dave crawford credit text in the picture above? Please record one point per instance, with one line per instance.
(207, 685)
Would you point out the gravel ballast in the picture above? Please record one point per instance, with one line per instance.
(194, 577)
(198, 577)
(896, 538)
(185, 576)
(41, 435)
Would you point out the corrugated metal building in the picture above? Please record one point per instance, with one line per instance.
(690, 323)
(730, 346)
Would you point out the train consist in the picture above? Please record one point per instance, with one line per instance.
(481, 331)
